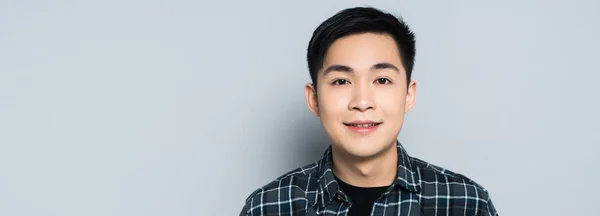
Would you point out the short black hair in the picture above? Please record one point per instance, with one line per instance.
(359, 20)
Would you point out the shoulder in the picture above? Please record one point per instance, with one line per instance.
(454, 190)
(291, 191)
(431, 173)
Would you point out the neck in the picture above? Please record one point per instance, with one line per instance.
(376, 171)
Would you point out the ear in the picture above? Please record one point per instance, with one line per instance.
(311, 98)
(411, 95)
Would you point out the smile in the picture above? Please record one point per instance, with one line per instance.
(363, 125)
(363, 128)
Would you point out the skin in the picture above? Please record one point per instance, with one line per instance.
(362, 78)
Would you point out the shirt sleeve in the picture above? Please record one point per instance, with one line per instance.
(244, 211)
(488, 208)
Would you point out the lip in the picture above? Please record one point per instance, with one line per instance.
(362, 130)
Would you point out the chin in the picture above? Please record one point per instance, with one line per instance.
(364, 149)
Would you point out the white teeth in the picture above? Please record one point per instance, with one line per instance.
(364, 125)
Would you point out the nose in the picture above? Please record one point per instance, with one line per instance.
(362, 99)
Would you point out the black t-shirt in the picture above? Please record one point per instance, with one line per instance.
(362, 198)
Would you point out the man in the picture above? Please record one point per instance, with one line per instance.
(360, 62)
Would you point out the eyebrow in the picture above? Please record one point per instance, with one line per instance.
(344, 68)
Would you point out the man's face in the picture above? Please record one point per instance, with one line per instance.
(361, 95)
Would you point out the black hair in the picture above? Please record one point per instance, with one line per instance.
(359, 20)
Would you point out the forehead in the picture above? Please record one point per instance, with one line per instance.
(362, 51)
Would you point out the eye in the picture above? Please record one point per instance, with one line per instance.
(340, 82)
(383, 81)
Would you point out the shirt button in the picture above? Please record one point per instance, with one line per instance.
(340, 198)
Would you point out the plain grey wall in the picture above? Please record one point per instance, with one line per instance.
(185, 107)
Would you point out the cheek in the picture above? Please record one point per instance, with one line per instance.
(392, 109)
(333, 105)
(391, 104)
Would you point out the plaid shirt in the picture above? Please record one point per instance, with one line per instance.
(420, 188)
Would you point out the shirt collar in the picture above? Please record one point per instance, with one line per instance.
(406, 177)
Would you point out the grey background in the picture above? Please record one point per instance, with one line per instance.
(185, 107)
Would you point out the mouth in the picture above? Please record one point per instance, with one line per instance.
(363, 127)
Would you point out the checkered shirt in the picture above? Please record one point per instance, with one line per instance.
(420, 188)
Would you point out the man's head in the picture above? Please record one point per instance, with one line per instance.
(360, 62)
